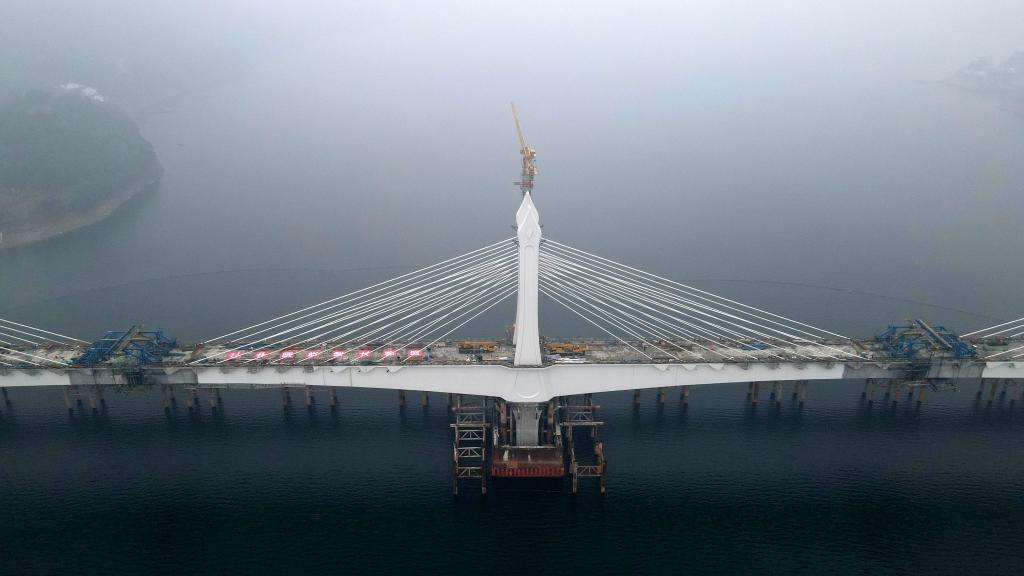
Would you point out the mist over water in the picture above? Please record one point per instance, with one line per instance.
(704, 145)
(807, 160)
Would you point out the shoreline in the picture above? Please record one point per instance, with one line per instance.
(72, 222)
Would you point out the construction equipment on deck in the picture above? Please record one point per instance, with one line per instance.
(477, 346)
(566, 348)
(135, 345)
(907, 341)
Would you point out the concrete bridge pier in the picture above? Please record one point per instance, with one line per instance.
(94, 393)
(661, 396)
(684, 395)
(800, 391)
(310, 400)
(286, 399)
(213, 395)
(992, 391)
(67, 400)
(981, 387)
(526, 419)
(333, 401)
(425, 399)
(636, 397)
(755, 391)
(401, 398)
(777, 392)
(7, 401)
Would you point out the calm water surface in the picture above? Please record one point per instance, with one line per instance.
(717, 487)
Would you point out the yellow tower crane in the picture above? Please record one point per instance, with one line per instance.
(525, 182)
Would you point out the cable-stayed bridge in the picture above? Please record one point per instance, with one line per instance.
(397, 334)
(523, 396)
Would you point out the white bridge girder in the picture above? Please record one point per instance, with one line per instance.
(512, 384)
(530, 385)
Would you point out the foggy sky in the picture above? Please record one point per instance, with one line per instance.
(785, 141)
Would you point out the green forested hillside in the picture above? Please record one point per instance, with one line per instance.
(64, 152)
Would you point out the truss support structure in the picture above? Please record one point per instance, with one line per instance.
(469, 443)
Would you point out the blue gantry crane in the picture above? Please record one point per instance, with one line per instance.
(135, 344)
(910, 340)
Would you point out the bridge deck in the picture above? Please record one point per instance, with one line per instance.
(451, 354)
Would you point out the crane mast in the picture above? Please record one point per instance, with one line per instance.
(529, 155)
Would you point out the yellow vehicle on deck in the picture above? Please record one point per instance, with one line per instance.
(566, 348)
(477, 346)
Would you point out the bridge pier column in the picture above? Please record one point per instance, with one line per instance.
(7, 401)
(685, 395)
(920, 393)
(992, 390)
(550, 431)
(870, 386)
(333, 396)
(94, 397)
(661, 396)
(888, 389)
(401, 398)
(213, 394)
(193, 399)
(756, 391)
(309, 396)
(981, 387)
(777, 392)
(803, 392)
(425, 399)
(286, 399)
(750, 390)
(163, 398)
(503, 431)
(636, 397)
(67, 400)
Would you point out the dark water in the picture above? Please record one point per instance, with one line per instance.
(718, 487)
(848, 203)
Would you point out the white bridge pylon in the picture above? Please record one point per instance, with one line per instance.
(653, 319)
(528, 233)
